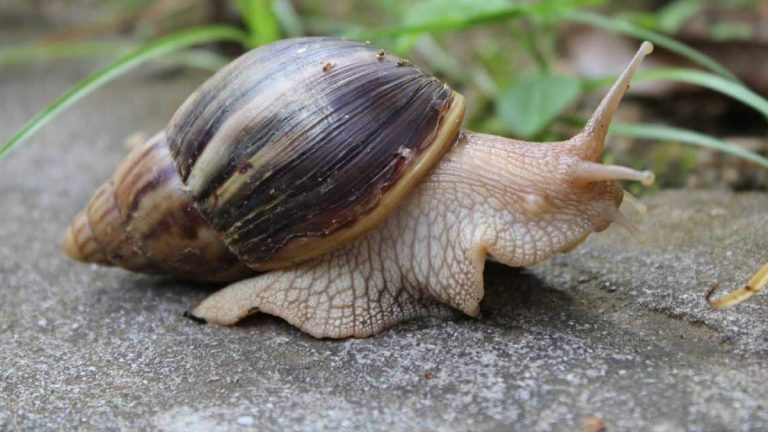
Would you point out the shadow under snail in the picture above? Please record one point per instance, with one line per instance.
(332, 184)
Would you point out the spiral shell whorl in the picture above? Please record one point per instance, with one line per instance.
(80, 243)
(143, 220)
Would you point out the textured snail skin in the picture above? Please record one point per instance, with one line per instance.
(517, 202)
(488, 196)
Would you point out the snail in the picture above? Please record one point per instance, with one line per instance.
(331, 184)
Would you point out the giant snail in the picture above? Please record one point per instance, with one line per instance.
(332, 185)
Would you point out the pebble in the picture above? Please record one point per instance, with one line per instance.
(244, 420)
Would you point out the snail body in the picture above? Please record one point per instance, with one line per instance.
(333, 185)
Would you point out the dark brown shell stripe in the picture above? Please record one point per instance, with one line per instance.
(106, 225)
(162, 222)
(307, 145)
(201, 115)
(142, 220)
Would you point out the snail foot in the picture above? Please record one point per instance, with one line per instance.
(324, 300)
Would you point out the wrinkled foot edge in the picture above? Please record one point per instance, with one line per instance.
(190, 314)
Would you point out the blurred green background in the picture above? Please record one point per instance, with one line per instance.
(530, 69)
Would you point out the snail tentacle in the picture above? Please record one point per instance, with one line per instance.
(591, 140)
(587, 172)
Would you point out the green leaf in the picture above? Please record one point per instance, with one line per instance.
(531, 104)
(457, 14)
(699, 78)
(152, 50)
(447, 15)
(666, 133)
(261, 21)
(629, 29)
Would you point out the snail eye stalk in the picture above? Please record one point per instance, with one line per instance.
(588, 172)
(589, 143)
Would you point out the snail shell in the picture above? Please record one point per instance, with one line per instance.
(289, 152)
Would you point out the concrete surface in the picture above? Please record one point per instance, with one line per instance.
(616, 332)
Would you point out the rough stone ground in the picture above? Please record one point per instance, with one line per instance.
(617, 329)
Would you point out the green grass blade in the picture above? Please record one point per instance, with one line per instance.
(202, 59)
(666, 133)
(287, 18)
(626, 28)
(248, 14)
(672, 134)
(261, 21)
(152, 50)
(727, 87)
(15, 54)
(436, 15)
(441, 15)
(32, 53)
(700, 78)
(672, 16)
